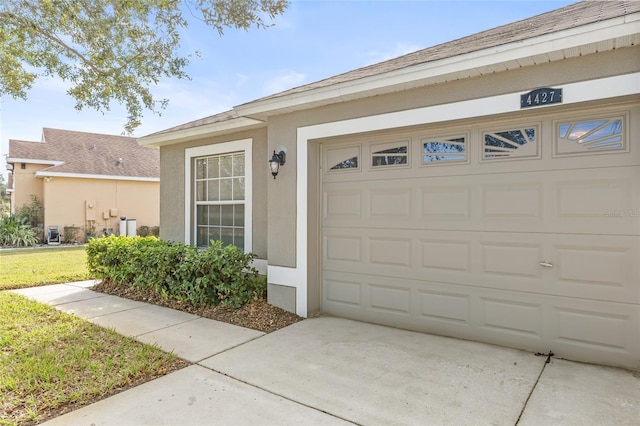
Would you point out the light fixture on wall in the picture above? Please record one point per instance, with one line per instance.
(277, 160)
(48, 178)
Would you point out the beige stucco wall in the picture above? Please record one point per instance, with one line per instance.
(172, 186)
(67, 202)
(26, 185)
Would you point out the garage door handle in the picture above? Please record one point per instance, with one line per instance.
(546, 264)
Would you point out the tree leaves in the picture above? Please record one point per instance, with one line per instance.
(110, 51)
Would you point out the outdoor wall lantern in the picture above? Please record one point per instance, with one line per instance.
(277, 160)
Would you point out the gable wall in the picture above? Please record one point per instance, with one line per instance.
(26, 185)
(67, 200)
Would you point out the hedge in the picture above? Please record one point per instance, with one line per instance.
(175, 270)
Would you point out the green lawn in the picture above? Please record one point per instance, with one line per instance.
(52, 362)
(32, 267)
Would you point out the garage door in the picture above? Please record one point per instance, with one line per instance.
(520, 233)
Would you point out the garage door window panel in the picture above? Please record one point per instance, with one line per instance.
(343, 158)
(517, 142)
(390, 155)
(591, 136)
(444, 150)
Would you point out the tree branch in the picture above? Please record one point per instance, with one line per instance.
(29, 25)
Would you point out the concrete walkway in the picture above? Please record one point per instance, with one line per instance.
(336, 371)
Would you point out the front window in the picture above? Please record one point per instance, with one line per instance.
(218, 194)
(220, 199)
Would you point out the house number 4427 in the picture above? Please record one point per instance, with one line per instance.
(539, 97)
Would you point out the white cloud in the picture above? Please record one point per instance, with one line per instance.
(241, 79)
(284, 81)
(195, 95)
(399, 49)
(52, 84)
(188, 100)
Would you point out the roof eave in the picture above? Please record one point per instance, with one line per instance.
(198, 132)
(12, 160)
(43, 174)
(572, 42)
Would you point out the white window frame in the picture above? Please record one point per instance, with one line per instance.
(190, 154)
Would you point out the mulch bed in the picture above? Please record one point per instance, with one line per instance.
(257, 315)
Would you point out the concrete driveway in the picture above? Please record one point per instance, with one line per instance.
(335, 371)
(374, 375)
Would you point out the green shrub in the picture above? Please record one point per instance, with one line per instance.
(143, 231)
(70, 234)
(32, 215)
(15, 231)
(32, 212)
(208, 277)
(148, 231)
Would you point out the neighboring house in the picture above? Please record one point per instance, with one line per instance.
(9, 189)
(487, 188)
(86, 181)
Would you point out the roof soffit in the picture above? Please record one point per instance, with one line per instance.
(182, 134)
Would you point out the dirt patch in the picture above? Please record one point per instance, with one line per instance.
(257, 315)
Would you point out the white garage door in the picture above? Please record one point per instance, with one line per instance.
(521, 233)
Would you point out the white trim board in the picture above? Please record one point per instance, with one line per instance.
(192, 133)
(33, 161)
(572, 93)
(107, 177)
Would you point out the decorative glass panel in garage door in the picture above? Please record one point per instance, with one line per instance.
(444, 150)
(343, 158)
(390, 154)
(511, 143)
(590, 136)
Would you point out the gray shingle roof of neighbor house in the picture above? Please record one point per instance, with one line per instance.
(564, 19)
(81, 153)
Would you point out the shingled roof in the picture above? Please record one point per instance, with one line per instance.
(353, 84)
(572, 16)
(81, 153)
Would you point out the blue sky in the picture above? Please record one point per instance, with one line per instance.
(313, 40)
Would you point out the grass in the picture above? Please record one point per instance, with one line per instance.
(52, 362)
(33, 267)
